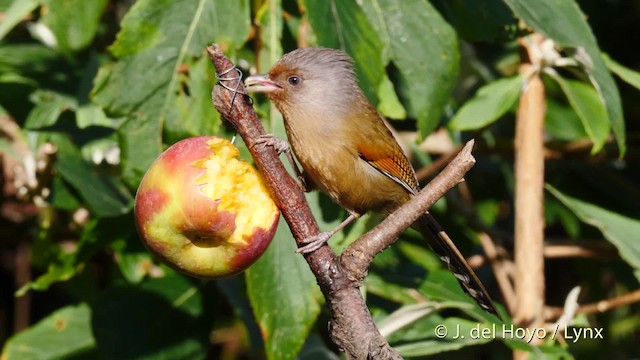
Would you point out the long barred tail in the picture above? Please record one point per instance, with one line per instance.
(442, 245)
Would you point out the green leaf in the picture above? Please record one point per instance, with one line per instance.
(269, 18)
(620, 230)
(459, 334)
(147, 84)
(584, 100)
(341, 24)
(442, 285)
(390, 105)
(563, 123)
(424, 49)
(66, 265)
(564, 22)
(629, 76)
(478, 20)
(73, 22)
(162, 319)
(49, 107)
(100, 193)
(284, 296)
(488, 105)
(61, 335)
(194, 115)
(19, 10)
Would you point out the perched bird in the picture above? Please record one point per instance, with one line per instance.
(347, 151)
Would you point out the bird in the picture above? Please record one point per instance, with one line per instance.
(347, 151)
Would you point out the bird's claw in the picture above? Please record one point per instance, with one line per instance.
(315, 242)
(281, 146)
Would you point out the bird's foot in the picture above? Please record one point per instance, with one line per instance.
(280, 145)
(315, 242)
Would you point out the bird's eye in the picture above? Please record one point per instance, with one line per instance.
(294, 80)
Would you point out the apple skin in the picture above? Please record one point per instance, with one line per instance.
(203, 211)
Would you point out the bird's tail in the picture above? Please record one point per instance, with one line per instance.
(444, 247)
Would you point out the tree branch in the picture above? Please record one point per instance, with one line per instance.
(348, 309)
(351, 326)
(357, 257)
(529, 188)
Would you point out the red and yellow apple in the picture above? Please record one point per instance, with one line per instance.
(203, 211)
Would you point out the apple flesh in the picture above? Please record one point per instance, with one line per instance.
(203, 211)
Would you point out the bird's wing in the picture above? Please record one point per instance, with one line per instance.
(392, 163)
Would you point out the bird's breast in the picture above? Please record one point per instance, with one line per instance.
(331, 161)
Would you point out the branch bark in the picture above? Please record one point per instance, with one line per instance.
(529, 188)
(351, 326)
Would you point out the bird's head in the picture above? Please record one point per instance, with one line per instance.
(309, 80)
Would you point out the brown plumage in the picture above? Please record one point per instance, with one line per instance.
(345, 148)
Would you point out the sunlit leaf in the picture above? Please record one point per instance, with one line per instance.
(424, 50)
(630, 76)
(16, 12)
(341, 24)
(488, 105)
(564, 22)
(148, 80)
(61, 335)
(73, 32)
(584, 100)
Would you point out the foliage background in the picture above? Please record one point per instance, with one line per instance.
(113, 83)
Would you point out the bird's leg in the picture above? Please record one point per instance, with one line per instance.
(315, 242)
(281, 146)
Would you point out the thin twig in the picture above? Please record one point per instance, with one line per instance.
(498, 265)
(597, 250)
(552, 313)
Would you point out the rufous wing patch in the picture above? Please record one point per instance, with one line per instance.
(392, 164)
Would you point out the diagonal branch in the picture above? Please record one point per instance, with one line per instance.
(357, 257)
(351, 326)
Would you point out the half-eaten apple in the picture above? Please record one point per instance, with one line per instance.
(203, 211)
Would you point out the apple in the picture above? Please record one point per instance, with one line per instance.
(203, 211)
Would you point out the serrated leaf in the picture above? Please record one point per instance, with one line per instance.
(18, 10)
(584, 100)
(488, 105)
(152, 49)
(618, 229)
(61, 335)
(564, 22)
(424, 49)
(341, 24)
(73, 31)
(284, 295)
(629, 76)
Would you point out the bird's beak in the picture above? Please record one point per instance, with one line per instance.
(260, 83)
